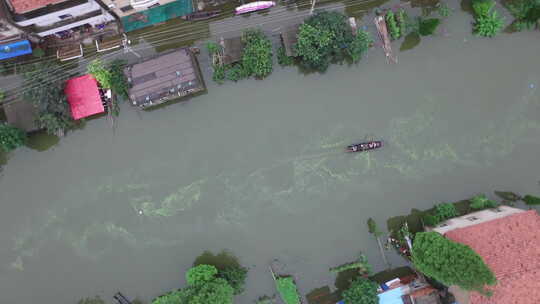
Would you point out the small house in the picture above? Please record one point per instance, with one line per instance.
(232, 49)
(85, 97)
(289, 37)
(164, 78)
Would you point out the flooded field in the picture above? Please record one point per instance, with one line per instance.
(258, 168)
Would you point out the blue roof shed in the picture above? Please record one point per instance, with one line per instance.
(14, 49)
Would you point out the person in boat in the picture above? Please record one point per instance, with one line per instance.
(354, 148)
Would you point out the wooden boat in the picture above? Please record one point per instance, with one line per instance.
(201, 15)
(365, 146)
(254, 6)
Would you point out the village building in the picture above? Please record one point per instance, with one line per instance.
(22, 114)
(85, 97)
(289, 37)
(164, 78)
(137, 14)
(507, 240)
(232, 50)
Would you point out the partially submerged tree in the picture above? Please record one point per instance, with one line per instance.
(257, 56)
(487, 23)
(11, 137)
(450, 263)
(323, 38)
(204, 287)
(44, 87)
(360, 45)
(110, 76)
(361, 291)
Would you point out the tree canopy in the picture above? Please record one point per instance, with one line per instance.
(44, 87)
(323, 38)
(257, 56)
(361, 291)
(450, 263)
(110, 76)
(204, 287)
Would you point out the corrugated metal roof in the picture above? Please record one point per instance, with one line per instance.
(14, 49)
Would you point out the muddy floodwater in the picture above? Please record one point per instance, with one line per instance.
(258, 168)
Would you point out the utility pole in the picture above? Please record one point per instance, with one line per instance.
(312, 7)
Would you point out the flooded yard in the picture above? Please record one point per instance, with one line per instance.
(258, 167)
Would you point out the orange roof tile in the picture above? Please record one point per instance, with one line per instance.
(25, 6)
(510, 246)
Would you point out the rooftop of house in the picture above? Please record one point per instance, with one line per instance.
(168, 76)
(233, 49)
(290, 37)
(510, 246)
(474, 218)
(25, 6)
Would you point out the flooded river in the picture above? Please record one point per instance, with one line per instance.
(258, 167)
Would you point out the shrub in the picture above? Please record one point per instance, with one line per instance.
(445, 211)
(443, 10)
(427, 27)
(283, 59)
(525, 12)
(287, 289)
(359, 45)
(361, 291)
(402, 19)
(257, 57)
(487, 23)
(531, 200)
(450, 263)
(11, 137)
(480, 202)
(236, 72)
(361, 264)
(200, 274)
(392, 25)
(219, 73)
(430, 220)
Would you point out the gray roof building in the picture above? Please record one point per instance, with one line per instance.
(164, 78)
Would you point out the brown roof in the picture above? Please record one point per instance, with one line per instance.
(163, 77)
(21, 114)
(289, 37)
(25, 6)
(233, 49)
(510, 246)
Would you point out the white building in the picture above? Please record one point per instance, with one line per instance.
(47, 17)
(127, 7)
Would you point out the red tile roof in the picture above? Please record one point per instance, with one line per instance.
(25, 6)
(510, 246)
(83, 97)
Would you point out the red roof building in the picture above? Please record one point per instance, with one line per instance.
(83, 97)
(510, 246)
(25, 6)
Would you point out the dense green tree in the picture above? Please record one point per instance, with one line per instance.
(257, 55)
(361, 291)
(393, 27)
(360, 45)
(322, 39)
(200, 274)
(204, 287)
(487, 23)
(11, 137)
(282, 57)
(110, 76)
(44, 87)
(450, 263)
(531, 200)
(427, 27)
(525, 12)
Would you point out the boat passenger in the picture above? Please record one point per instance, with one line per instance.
(354, 148)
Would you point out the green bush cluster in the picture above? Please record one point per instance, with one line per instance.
(361, 291)
(427, 27)
(531, 200)
(219, 73)
(360, 45)
(480, 202)
(526, 13)
(287, 289)
(361, 264)
(11, 137)
(257, 57)
(442, 212)
(393, 28)
(487, 23)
